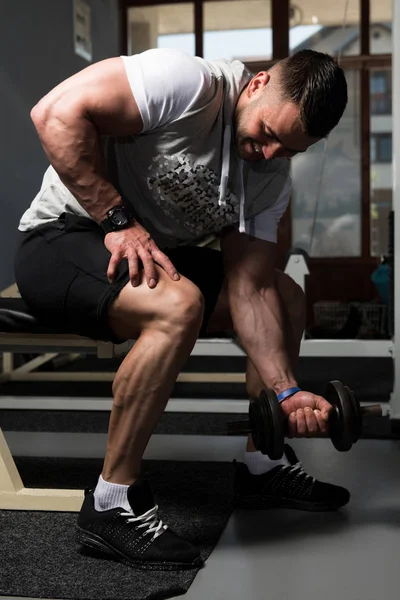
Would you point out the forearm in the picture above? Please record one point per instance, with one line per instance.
(259, 321)
(73, 147)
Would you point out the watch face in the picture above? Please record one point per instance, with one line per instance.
(119, 219)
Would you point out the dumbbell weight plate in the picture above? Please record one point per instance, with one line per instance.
(267, 424)
(348, 395)
(357, 416)
(343, 423)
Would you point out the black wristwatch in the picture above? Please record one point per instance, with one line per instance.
(119, 217)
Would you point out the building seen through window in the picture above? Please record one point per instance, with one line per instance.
(335, 182)
(381, 92)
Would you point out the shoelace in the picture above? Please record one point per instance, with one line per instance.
(301, 472)
(149, 520)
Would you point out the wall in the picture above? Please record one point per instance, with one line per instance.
(36, 49)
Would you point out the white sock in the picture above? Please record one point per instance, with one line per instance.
(110, 495)
(259, 463)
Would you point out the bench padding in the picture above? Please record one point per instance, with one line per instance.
(15, 317)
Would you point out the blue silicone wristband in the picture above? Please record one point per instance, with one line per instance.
(289, 392)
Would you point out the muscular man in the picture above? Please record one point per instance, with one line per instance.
(148, 154)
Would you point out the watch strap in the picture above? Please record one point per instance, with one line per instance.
(109, 226)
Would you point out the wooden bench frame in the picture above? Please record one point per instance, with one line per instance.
(13, 494)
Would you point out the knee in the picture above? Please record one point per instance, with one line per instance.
(173, 308)
(183, 309)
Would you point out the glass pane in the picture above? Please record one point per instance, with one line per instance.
(238, 29)
(381, 92)
(385, 148)
(161, 26)
(381, 27)
(334, 177)
(325, 26)
(381, 158)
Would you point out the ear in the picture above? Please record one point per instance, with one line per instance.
(258, 83)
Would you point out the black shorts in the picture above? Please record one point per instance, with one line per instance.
(61, 273)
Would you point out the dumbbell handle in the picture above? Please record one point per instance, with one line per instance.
(375, 410)
(241, 427)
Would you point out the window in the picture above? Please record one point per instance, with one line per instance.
(381, 148)
(319, 25)
(161, 26)
(381, 26)
(333, 175)
(381, 92)
(381, 125)
(238, 29)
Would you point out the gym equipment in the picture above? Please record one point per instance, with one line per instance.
(266, 421)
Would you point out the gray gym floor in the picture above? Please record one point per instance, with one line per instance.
(293, 555)
(282, 555)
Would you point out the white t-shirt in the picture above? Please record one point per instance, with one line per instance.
(171, 172)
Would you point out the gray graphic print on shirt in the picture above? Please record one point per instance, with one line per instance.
(174, 182)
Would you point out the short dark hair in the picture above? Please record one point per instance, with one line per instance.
(315, 82)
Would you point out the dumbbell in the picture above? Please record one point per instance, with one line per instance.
(266, 421)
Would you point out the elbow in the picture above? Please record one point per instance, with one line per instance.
(39, 116)
(45, 111)
(35, 113)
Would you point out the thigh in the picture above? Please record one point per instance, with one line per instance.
(61, 272)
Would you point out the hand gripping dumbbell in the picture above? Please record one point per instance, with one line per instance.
(266, 421)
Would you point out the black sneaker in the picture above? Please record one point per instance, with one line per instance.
(137, 538)
(286, 487)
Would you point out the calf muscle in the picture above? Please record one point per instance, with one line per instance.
(167, 321)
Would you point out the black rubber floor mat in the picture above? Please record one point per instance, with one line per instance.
(40, 558)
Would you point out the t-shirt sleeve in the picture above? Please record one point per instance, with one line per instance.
(264, 225)
(165, 83)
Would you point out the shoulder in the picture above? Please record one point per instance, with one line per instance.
(168, 62)
(166, 83)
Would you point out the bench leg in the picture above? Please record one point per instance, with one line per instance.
(14, 496)
(7, 367)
